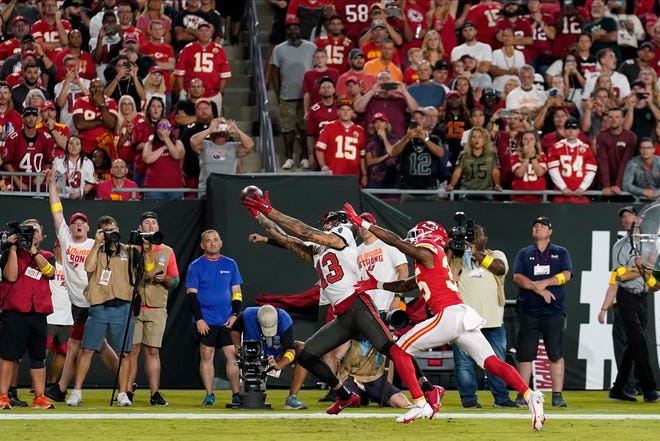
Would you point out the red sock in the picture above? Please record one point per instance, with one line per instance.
(403, 364)
(506, 372)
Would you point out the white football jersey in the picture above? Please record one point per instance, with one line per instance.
(337, 269)
(73, 259)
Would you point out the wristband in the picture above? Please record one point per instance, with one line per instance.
(603, 309)
(561, 279)
(47, 269)
(488, 260)
(289, 356)
(379, 285)
(237, 296)
(651, 282)
(54, 208)
(365, 224)
(612, 278)
(620, 271)
(35, 254)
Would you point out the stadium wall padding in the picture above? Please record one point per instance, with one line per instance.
(588, 231)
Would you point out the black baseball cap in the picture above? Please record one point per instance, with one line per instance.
(571, 123)
(148, 215)
(629, 209)
(441, 65)
(542, 220)
(30, 111)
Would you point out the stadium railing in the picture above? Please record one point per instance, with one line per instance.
(266, 145)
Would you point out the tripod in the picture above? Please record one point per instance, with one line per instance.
(136, 262)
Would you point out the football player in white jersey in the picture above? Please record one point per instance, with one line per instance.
(334, 255)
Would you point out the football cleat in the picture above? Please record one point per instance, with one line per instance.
(535, 403)
(418, 411)
(434, 398)
(339, 405)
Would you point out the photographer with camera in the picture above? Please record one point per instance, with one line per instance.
(213, 287)
(273, 327)
(641, 105)
(160, 275)
(112, 268)
(479, 274)
(217, 150)
(25, 301)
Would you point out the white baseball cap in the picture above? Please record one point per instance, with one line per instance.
(267, 317)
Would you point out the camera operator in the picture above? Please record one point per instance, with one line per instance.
(25, 300)
(273, 327)
(479, 274)
(110, 266)
(160, 274)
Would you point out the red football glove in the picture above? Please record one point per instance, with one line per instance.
(256, 203)
(352, 215)
(252, 211)
(366, 285)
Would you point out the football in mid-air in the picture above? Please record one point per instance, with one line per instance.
(250, 191)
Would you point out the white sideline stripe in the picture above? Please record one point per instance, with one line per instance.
(292, 415)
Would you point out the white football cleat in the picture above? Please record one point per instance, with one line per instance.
(419, 410)
(535, 403)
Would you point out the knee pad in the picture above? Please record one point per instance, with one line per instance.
(37, 364)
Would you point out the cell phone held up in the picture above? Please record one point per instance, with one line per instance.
(389, 86)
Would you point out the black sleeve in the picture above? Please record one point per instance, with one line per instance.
(239, 324)
(287, 339)
(195, 306)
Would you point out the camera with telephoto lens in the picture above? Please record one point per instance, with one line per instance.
(253, 364)
(461, 233)
(396, 318)
(111, 235)
(24, 235)
(137, 237)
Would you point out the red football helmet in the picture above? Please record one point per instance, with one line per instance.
(428, 230)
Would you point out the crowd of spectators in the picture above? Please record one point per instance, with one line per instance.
(419, 75)
(562, 93)
(101, 91)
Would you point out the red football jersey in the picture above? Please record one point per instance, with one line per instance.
(28, 156)
(208, 64)
(529, 181)
(372, 51)
(310, 83)
(355, 16)
(319, 115)
(485, 17)
(337, 50)
(573, 162)
(436, 284)
(541, 43)
(86, 66)
(343, 147)
(84, 106)
(14, 119)
(42, 31)
(570, 32)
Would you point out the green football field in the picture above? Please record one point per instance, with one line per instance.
(590, 416)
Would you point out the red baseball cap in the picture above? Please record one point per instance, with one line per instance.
(76, 216)
(18, 18)
(48, 104)
(352, 78)
(291, 19)
(154, 69)
(202, 100)
(380, 116)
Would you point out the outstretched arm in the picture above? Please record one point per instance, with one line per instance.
(54, 199)
(421, 255)
(291, 243)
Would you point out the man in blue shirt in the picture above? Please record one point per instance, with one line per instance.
(540, 271)
(273, 327)
(213, 286)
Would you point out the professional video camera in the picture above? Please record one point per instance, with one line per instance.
(137, 236)
(25, 235)
(111, 235)
(461, 233)
(253, 363)
(396, 318)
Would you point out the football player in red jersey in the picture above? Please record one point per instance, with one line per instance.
(334, 254)
(453, 321)
(340, 147)
(28, 150)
